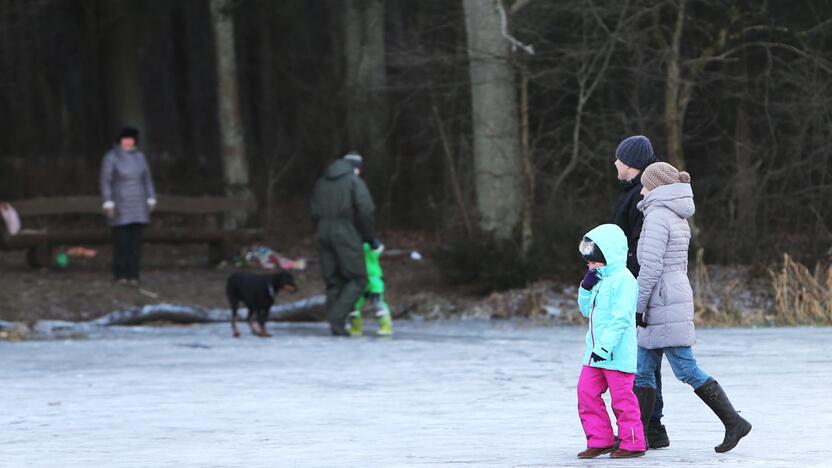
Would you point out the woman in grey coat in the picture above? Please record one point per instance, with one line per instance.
(664, 313)
(129, 197)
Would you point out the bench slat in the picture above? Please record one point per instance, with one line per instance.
(151, 236)
(85, 204)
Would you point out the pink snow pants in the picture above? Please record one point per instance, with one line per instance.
(591, 385)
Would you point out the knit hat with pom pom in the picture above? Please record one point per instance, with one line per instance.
(662, 173)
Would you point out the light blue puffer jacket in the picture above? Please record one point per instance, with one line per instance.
(611, 305)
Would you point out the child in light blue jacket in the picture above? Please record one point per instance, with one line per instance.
(607, 297)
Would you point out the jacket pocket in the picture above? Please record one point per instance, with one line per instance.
(677, 289)
(659, 295)
(663, 291)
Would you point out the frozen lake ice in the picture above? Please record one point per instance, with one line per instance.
(445, 393)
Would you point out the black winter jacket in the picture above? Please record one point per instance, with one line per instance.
(630, 219)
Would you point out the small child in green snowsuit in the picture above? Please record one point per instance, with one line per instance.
(374, 294)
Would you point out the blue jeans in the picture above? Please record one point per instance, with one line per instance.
(681, 361)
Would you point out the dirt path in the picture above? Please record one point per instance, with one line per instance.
(176, 275)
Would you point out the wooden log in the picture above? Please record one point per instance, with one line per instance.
(305, 310)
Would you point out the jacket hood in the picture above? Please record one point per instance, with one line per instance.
(338, 169)
(675, 197)
(613, 243)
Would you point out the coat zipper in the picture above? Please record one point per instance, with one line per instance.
(591, 330)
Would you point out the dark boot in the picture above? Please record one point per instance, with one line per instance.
(621, 453)
(657, 435)
(646, 399)
(595, 452)
(735, 426)
(339, 329)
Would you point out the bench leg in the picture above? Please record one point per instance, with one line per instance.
(219, 251)
(39, 256)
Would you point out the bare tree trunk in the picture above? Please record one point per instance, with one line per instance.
(459, 198)
(366, 85)
(673, 112)
(235, 163)
(527, 231)
(745, 183)
(270, 129)
(590, 73)
(498, 159)
(124, 81)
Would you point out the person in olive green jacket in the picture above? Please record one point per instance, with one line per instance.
(344, 217)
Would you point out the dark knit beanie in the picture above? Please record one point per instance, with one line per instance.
(636, 152)
(355, 159)
(591, 252)
(128, 132)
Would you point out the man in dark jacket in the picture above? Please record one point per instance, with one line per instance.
(632, 157)
(343, 213)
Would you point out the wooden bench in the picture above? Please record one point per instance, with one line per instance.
(38, 238)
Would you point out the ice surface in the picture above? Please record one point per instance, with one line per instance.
(442, 393)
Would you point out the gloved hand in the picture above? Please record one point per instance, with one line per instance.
(640, 320)
(376, 246)
(590, 279)
(597, 358)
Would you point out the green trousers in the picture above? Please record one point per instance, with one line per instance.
(344, 272)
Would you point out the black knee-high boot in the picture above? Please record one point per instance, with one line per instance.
(736, 427)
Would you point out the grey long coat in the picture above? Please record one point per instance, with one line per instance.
(127, 183)
(664, 293)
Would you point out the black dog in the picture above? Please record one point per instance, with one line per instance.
(257, 292)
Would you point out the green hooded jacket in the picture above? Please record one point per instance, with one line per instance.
(375, 284)
(342, 204)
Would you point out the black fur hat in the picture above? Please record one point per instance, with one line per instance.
(591, 252)
(128, 132)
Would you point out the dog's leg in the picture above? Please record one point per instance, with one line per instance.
(234, 332)
(262, 317)
(251, 313)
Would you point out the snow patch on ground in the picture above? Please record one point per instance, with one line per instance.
(440, 393)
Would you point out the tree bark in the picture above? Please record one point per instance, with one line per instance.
(673, 111)
(527, 231)
(745, 184)
(232, 142)
(366, 86)
(498, 161)
(126, 105)
(459, 198)
(270, 130)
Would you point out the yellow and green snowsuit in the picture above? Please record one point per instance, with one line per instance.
(374, 293)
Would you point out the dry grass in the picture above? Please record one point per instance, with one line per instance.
(802, 296)
(725, 301)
